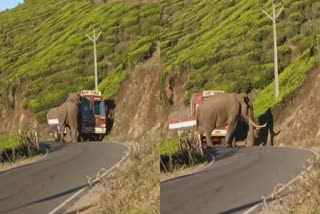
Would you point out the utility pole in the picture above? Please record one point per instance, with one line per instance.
(275, 51)
(94, 40)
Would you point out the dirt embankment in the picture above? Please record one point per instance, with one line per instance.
(137, 103)
(174, 89)
(299, 122)
(13, 115)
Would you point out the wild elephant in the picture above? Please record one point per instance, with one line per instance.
(225, 108)
(67, 116)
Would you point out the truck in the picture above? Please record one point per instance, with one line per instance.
(92, 117)
(186, 119)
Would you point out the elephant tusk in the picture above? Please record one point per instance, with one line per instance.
(257, 126)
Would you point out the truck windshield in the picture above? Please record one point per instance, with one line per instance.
(85, 107)
(98, 108)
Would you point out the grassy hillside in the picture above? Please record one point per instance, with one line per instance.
(43, 43)
(228, 45)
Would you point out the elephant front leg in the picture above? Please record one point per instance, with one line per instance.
(230, 139)
(234, 141)
(74, 135)
(250, 137)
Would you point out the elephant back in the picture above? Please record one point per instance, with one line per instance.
(73, 98)
(54, 112)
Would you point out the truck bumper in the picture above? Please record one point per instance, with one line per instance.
(91, 130)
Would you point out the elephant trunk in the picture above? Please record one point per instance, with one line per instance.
(250, 135)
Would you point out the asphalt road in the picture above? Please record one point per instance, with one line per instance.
(43, 185)
(234, 183)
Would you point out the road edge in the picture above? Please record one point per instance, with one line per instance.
(26, 164)
(195, 172)
(255, 207)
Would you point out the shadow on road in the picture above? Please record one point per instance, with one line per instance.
(241, 208)
(51, 197)
(59, 194)
(222, 152)
(247, 206)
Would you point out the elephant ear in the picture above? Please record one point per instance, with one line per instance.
(253, 95)
(247, 102)
(74, 97)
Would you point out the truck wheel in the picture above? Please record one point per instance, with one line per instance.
(100, 137)
(84, 137)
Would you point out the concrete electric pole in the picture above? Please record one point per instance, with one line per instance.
(275, 51)
(94, 40)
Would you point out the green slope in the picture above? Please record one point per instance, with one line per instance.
(43, 43)
(227, 45)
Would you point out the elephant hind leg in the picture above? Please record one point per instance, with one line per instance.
(208, 137)
(199, 142)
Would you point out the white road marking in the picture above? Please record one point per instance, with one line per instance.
(64, 203)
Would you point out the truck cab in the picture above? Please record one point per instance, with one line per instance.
(92, 115)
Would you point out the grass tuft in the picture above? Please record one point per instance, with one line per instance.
(19, 146)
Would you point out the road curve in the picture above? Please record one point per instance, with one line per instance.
(235, 182)
(42, 186)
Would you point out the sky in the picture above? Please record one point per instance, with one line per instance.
(8, 4)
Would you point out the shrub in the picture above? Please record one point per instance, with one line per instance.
(19, 146)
